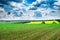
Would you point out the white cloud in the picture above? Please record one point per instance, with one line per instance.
(44, 11)
(56, 7)
(57, 3)
(2, 12)
(16, 4)
(39, 1)
(28, 14)
(13, 3)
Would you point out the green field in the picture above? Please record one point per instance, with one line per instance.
(29, 31)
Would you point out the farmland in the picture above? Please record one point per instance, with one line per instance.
(29, 31)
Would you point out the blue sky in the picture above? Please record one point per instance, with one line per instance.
(30, 1)
(7, 6)
(25, 6)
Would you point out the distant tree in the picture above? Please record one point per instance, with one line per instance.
(43, 22)
(58, 20)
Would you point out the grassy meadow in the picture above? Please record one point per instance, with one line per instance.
(10, 31)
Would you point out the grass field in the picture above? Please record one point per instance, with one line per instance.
(29, 31)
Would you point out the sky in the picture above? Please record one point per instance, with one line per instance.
(10, 4)
(33, 8)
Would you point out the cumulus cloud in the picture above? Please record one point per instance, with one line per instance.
(16, 4)
(57, 3)
(30, 9)
(7, 3)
